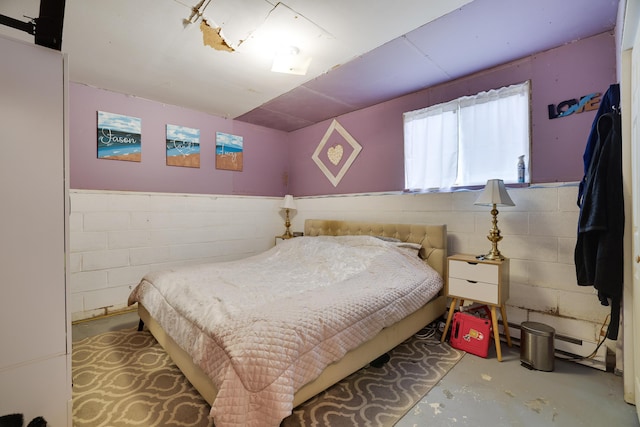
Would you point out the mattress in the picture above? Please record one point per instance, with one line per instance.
(263, 327)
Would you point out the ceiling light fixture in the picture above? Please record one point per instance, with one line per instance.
(288, 60)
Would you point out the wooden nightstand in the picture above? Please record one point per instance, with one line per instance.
(482, 281)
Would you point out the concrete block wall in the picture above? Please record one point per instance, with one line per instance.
(117, 237)
(539, 237)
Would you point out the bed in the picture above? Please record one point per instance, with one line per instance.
(231, 365)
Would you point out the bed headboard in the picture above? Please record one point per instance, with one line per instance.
(433, 238)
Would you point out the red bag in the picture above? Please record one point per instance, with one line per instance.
(471, 334)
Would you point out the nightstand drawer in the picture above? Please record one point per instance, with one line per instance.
(473, 290)
(485, 281)
(477, 272)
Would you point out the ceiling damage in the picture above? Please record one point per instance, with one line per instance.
(217, 56)
(211, 37)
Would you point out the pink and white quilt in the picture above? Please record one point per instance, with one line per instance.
(264, 326)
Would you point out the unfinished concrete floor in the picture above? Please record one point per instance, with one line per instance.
(485, 392)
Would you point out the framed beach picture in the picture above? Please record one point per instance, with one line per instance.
(183, 146)
(119, 137)
(228, 151)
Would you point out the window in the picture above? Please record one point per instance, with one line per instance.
(467, 141)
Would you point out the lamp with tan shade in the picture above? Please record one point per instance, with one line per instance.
(287, 204)
(494, 194)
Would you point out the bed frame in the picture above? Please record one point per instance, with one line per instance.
(433, 239)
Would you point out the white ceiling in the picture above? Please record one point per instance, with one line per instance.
(362, 51)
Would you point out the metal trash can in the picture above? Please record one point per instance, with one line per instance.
(536, 346)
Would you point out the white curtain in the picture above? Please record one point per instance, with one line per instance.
(469, 140)
(430, 160)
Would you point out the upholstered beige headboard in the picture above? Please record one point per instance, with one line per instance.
(433, 238)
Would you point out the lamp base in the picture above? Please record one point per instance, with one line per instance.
(494, 237)
(287, 234)
(494, 257)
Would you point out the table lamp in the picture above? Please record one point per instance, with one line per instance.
(494, 194)
(287, 204)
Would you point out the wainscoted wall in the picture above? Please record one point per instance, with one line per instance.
(116, 237)
(539, 239)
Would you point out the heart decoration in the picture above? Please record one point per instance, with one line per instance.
(335, 154)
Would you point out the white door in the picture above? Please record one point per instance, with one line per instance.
(630, 102)
(635, 189)
(631, 92)
(35, 378)
(635, 291)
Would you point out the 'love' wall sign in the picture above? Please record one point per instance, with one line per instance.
(566, 108)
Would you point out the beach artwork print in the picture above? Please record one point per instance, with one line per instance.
(183, 146)
(119, 137)
(228, 151)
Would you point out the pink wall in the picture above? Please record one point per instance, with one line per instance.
(271, 156)
(567, 72)
(265, 163)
